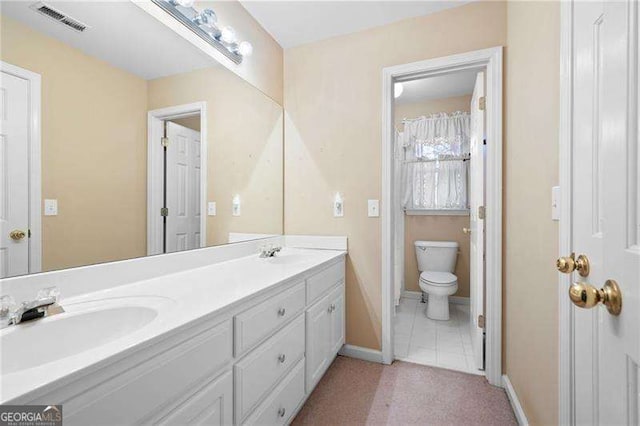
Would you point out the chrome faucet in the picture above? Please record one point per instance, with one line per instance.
(45, 304)
(269, 250)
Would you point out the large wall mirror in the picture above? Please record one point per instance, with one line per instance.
(146, 145)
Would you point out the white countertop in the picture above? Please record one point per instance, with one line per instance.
(180, 298)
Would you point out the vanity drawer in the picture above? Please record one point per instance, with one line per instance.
(257, 323)
(211, 405)
(318, 284)
(278, 408)
(261, 370)
(130, 396)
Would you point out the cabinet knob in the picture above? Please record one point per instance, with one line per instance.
(281, 411)
(281, 358)
(281, 312)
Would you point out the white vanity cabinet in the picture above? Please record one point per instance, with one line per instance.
(252, 362)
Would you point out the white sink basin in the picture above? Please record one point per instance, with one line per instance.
(82, 327)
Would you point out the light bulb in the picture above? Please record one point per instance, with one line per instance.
(207, 18)
(397, 90)
(185, 3)
(228, 35)
(245, 48)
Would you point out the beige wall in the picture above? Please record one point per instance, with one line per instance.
(438, 228)
(530, 237)
(264, 68)
(332, 129)
(93, 150)
(245, 148)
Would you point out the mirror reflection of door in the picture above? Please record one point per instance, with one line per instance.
(182, 185)
(16, 141)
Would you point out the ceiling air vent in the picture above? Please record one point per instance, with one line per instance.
(58, 16)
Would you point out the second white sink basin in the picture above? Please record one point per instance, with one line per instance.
(83, 327)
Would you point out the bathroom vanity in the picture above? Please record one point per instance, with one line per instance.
(241, 340)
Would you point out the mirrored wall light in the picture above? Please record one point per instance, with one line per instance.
(398, 88)
(205, 24)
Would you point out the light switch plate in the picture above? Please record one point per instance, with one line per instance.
(211, 208)
(373, 208)
(50, 207)
(555, 203)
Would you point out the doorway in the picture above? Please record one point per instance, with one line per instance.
(177, 179)
(486, 213)
(439, 233)
(20, 175)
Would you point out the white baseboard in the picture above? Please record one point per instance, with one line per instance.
(418, 295)
(359, 352)
(515, 402)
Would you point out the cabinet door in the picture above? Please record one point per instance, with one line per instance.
(337, 320)
(318, 341)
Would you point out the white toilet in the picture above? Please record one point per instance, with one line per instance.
(436, 263)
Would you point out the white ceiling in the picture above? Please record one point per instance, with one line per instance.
(120, 33)
(444, 86)
(293, 23)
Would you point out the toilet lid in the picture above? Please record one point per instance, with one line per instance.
(433, 277)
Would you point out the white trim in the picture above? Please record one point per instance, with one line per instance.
(456, 300)
(359, 352)
(491, 60)
(565, 317)
(515, 402)
(35, 162)
(155, 118)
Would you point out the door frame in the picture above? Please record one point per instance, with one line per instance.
(155, 131)
(491, 60)
(566, 391)
(35, 161)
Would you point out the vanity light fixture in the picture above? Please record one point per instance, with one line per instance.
(205, 24)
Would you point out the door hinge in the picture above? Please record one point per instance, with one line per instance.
(481, 321)
(164, 142)
(481, 212)
(164, 211)
(482, 103)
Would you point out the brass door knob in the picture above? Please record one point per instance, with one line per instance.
(568, 264)
(584, 295)
(466, 230)
(17, 234)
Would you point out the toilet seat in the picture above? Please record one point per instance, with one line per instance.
(436, 278)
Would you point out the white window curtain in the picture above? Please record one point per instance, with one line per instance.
(435, 165)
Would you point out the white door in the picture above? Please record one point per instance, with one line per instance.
(605, 215)
(476, 202)
(14, 175)
(183, 188)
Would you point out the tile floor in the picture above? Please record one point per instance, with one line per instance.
(421, 340)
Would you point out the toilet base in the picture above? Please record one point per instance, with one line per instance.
(438, 307)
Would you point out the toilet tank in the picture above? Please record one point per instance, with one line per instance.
(438, 256)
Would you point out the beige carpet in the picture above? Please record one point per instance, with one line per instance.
(357, 392)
